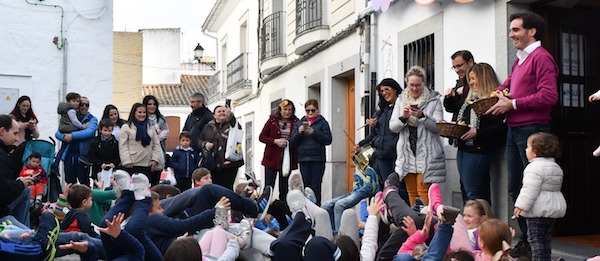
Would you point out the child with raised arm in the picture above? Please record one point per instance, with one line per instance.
(540, 200)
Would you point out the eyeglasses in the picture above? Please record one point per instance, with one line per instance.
(84, 105)
(311, 110)
(415, 86)
(456, 67)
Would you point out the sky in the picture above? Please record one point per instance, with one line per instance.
(189, 15)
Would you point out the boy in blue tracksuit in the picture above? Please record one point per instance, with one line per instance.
(184, 161)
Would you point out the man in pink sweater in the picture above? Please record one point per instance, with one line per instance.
(533, 92)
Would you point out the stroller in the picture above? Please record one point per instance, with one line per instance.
(47, 150)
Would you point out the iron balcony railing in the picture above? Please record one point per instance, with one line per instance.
(309, 15)
(272, 35)
(237, 73)
(214, 89)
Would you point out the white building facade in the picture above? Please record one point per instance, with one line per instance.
(52, 48)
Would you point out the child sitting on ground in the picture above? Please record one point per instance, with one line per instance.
(184, 161)
(77, 219)
(201, 177)
(34, 169)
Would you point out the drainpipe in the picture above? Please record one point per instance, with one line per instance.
(217, 62)
(64, 72)
(373, 64)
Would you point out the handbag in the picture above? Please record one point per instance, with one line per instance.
(233, 150)
(285, 163)
(207, 160)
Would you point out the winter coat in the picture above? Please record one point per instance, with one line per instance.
(217, 134)
(430, 159)
(540, 196)
(382, 138)
(491, 134)
(10, 187)
(65, 125)
(274, 154)
(194, 124)
(311, 147)
(184, 161)
(131, 151)
(77, 220)
(104, 151)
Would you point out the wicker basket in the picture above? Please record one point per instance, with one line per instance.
(482, 105)
(451, 130)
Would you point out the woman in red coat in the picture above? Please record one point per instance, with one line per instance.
(276, 134)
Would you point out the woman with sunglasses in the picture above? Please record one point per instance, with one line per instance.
(276, 134)
(310, 138)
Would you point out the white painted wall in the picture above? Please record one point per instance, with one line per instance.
(161, 56)
(26, 37)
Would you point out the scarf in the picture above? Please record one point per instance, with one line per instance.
(407, 99)
(141, 133)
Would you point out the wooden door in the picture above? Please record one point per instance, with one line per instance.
(350, 130)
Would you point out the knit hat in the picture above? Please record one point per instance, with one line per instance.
(60, 207)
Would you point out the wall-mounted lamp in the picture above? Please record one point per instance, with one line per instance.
(198, 51)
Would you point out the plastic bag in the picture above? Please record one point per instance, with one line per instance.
(285, 163)
(233, 150)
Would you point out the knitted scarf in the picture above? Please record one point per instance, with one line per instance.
(141, 133)
(421, 101)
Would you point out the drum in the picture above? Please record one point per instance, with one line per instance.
(361, 159)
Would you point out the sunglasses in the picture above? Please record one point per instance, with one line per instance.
(311, 110)
(284, 126)
(84, 105)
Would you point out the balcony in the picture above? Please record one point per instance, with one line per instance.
(214, 87)
(238, 83)
(272, 42)
(310, 27)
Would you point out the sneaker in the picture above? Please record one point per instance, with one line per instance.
(449, 215)
(221, 217)
(245, 232)
(264, 201)
(297, 203)
(392, 180)
(371, 177)
(386, 214)
(419, 205)
(358, 182)
(310, 195)
(252, 181)
(123, 179)
(435, 198)
(295, 182)
(141, 186)
(522, 249)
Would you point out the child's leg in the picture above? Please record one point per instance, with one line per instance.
(404, 257)
(279, 209)
(183, 184)
(349, 225)
(207, 196)
(422, 189)
(123, 205)
(289, 245)
(539, 232)
(329, 205)
(39, 191)
(206, 241)
(348, 202)
(137, 225)
(411, 187)
(439, 243)
(219, 242)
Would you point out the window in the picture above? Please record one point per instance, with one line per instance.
(274, 105)
(421, 53)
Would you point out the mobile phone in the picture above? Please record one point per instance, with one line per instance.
(305, 124)
(228, 103)
(414, 106)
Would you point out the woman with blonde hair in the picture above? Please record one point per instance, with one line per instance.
(477, 147)
(420, 157)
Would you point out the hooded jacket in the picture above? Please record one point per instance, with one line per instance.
(311, 147)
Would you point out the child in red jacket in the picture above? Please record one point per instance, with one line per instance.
(35, 169)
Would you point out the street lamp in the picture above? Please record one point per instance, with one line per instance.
(198, 51)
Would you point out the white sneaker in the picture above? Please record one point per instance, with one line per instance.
(596, 152)
(245, 232)
(310, 195)
(221, 217)
(123, 179)
(141, 186)
(295, 182)
(296, 201)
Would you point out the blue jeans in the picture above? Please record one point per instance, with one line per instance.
(474, 170)
(312, 176)
(75, 170)
(136, 227)
(336, 206)
(437, 247)
(19, 208)
(516, 142)
(193, 201)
